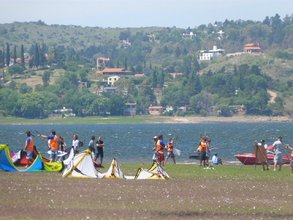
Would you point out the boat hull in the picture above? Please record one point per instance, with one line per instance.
(249, 159)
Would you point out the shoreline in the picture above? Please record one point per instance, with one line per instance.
(242, 119)
(147, 119)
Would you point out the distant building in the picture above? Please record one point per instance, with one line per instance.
(252, 48)
(115, 71)
(210, 54)
(107, 89)
(102, 62)
(155, 110)
(125, 43)
(189, 35)
(175, 75)
(112, 79)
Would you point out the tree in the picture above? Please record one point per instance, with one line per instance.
(46, 78)
(7, 55)
(202, 103)
(22, 55)
(1, 59)
(24, 88)
(14, 55)
(36, 57)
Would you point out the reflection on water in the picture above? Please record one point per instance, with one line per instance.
(133, 143)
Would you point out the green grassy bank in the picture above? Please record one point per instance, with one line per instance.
(85, 120)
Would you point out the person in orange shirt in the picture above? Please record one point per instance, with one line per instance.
(29, 147)
(170, 150)
(53, 145)
(160, 146)
(202, 148)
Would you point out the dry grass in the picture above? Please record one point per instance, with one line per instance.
(193, 193)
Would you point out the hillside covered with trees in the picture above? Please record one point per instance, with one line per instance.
(44, 68)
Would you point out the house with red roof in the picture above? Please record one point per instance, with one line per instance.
(252, 48)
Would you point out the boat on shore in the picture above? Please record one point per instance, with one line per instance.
(250, 159)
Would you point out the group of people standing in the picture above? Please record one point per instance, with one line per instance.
(56, 143)
(203, 148)
(160, 149)
(277, 148)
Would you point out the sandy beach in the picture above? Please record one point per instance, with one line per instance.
(211, 119)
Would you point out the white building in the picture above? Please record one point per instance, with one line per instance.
(112, 79)
(210, 54)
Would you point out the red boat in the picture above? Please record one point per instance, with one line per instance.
(249, 158)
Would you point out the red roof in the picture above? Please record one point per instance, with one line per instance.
(112, 70)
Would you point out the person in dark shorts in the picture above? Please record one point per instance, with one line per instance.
(202, 148)
(100, 150)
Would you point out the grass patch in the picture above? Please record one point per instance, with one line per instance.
(85, 120)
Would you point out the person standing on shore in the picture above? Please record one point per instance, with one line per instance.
(92, 145)
(75, 143)
(202, 149)
(277, 147)
(100, 150)
(160, 146)
(29, 147)
(53, 144)
(291, 161)
(155, 157)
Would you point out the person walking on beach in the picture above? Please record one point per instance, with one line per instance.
(160, 146)
(277, 147)
(29, 147)
(261, 155)
(100, 150)
(170, 150)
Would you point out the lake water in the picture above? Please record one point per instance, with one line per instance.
(133, 143)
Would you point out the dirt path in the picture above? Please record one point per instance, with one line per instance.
(273, 95)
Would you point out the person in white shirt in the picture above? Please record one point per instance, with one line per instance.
(216, 160)
(278, 147)
(75, 143)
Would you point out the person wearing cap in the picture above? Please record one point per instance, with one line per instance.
(261, 155)
(277, 148)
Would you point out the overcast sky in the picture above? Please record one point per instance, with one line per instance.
(140, 13)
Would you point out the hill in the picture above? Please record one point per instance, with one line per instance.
(55, 66)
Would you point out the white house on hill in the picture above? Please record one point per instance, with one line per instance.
(210, 54)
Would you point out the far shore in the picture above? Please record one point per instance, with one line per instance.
(147, 119)
(211, 119)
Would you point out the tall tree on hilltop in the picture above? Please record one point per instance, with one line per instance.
(22, 55)
(1, 59)
(36, 60)
(7, 54)
(3, 56)
(14, 55)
